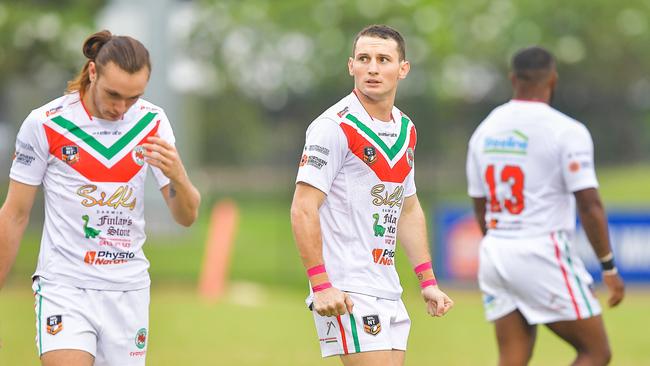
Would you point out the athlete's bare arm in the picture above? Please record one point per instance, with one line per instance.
(305, 223)
(14, 216)
(182, 198)
(594, 222)
(412, 235)
(479, 213)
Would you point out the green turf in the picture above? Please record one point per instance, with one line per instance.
(257, 325)
(279, 331)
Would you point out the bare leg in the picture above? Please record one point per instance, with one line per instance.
(588, 337)
(516, 339)
(374, 358)
(67, 357)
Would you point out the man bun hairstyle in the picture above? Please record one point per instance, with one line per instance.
(532, 64)
(103, 47)
(384, 32)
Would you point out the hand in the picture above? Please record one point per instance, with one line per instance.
(616, 288)
(332, 302)
(438, 303)
(164, 156)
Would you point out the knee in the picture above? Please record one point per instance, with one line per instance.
(598, 356)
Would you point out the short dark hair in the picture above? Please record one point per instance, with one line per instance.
(385, 32)
(532, 64)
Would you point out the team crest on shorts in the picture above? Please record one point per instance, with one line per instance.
(70, 154)
(138, 155)
(141, 338)
(371, 324)
(369, 155)
(54, 324)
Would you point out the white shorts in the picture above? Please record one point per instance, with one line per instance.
(111, 325)
(540, 276)
(377, 324)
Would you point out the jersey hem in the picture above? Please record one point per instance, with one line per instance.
(95, 285)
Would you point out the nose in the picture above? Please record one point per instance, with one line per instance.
(373, 67)
(120, 107)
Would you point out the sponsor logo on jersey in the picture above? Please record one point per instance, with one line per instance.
(330, 326)
(383, 256)
(303, 160)
(70, 154)
(371, 324)
(343, 112)
(138, 155)
(122, 197)
(89, 232)
(369, 155)
(24, 159)
(381, 197)
(410, 156)
(316, 162)
(53, 111)
(104, 257)
(24, 146)
(376, 228)
(141, 338)
(511, 142)
(54, 324)
(323, 150)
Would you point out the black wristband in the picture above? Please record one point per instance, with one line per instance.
(608, 265)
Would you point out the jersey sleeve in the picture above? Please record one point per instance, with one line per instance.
(166, 133)
(323, 155)
(475, 186)
(32, 153)
(577, 158)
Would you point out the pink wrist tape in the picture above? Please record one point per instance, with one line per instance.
(423, 267)
(321, 287)
(431, 282)
(313, 271)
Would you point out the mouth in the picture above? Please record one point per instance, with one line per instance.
(373, 82)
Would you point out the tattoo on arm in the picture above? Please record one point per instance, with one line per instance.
(172, 190)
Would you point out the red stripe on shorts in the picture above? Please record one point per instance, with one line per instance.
(343, 340)
(564, 274)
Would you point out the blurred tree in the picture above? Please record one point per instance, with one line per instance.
(40, 42)
(286, 60)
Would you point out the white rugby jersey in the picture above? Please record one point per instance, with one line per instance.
(93, 174)
(527, 159)
(365, 167)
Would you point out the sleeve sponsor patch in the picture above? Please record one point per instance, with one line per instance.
(23, 158)
(320, 149)
(312, 160)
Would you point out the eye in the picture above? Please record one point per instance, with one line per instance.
(363, 58)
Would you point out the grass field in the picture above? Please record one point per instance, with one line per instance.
(263, 321)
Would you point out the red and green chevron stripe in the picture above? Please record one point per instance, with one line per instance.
(382, 168)
(91, 168)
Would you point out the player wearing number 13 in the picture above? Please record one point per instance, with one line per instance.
(527, 166)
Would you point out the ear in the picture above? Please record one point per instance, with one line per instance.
(350, 68)
(404, 68)
(92, 71)
(552, 80)
(513, 79)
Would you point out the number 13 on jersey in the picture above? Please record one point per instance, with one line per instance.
(506, 188)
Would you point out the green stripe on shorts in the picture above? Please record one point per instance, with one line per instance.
(575, 275)
(355, 336)
(40, 307)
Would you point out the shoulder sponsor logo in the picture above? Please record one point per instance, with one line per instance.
(138, 155)
(371, 324)
(369, 155)
(104, 257)
(54, 324)
(510, 142)
(381, 197)
(343, 112)
(53, 111)
(70, 154)
(323, 150)
(383, 256)
(574, 166)
(122, 197)
(316, 162)
(23, 145)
